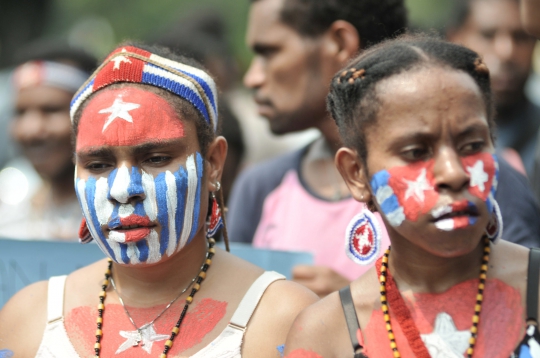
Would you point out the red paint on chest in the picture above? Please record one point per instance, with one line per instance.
(127, 116)
(302, 353)
(200, 320)
(501, 320)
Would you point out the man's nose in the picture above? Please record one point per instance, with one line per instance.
(255, 75)
(504, 47)
(126, 185)
(449, 171)
(29, 126)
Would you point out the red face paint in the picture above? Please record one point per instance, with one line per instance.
(413, 186)
(482, 170)
(127, 116)
(302, 353)
(199, 321)
(501, 321)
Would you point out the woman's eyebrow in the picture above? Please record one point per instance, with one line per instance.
(155, 145)
(95, 152)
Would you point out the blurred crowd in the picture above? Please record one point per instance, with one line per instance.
(280, 182)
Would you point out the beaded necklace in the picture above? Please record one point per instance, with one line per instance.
(176, 328)
(393, 297)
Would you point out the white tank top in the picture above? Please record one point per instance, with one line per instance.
(56, 343)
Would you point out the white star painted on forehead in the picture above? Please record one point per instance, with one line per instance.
(119, 60)
(478, 175)
(146, 339)
(446, 341)
(119, 109)
(416, 188)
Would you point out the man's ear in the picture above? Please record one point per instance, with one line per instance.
(352, 170)
(341, 41)
(215, 160)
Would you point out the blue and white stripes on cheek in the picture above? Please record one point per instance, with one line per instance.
(137, 218)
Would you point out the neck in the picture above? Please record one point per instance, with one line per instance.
(147, 286)
(417, 270)
(329, 131)
(62, 189)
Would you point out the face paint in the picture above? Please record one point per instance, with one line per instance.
(406, 192)
(127, 116)
(162, 222)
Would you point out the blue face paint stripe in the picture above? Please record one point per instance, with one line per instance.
(380, 180)
(90, 195)
(123, 252)
(135, 183)
(139, 209)
(115, 219)
(181, 193)
(196, 210)
(110, 180)
(389, 205)
(143, 250)
(162, 216)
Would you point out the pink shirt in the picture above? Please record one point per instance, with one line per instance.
(286, 225)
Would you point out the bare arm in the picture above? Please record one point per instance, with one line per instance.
(319, 331)
(268, 328)
(22, 321)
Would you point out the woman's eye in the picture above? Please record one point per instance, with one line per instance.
(97, 166)
(158, 159)
(415, 154)
(473, 147)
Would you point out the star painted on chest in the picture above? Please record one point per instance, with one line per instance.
(119, 109)
(478, 176)
(146, 337)
(118, 60)
(446, 341)
(416, 188)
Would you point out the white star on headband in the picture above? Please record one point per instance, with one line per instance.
(478, 175)
(119, 60)
(416, 188)
(119, 109)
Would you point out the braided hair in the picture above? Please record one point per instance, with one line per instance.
(353, 99)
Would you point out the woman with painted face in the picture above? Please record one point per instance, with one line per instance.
(148, 165)
(415, 115)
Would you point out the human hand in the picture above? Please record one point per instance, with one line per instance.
(320, 279)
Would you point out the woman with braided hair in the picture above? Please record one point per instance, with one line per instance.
(415, 115)
(148, 165)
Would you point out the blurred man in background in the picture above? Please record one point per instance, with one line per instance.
(44, 83)
(493, 29)
(530, 16)
(299, 201)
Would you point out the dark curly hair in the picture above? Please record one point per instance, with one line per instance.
(375, 20)
(353, 99)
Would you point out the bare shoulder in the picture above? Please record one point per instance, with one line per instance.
(23, 319)
(320, 329)
(509, 262)
(271, 321)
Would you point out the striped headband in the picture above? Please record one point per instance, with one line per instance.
(48, 73)
(132, 64)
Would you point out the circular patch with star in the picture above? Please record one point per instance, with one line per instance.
(363, 238)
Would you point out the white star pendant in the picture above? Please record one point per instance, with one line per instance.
(146, 338)
(446, 341)
(416, 188)
(478, 176)
(119, 109)
(119, 60)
